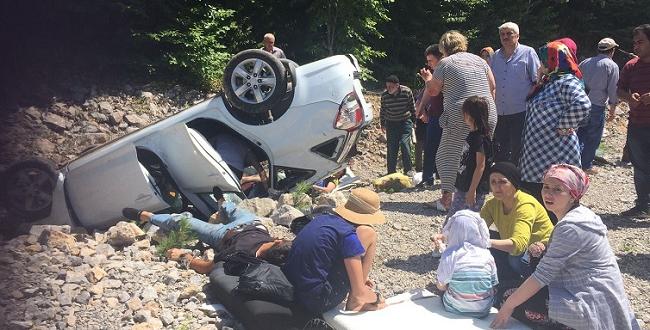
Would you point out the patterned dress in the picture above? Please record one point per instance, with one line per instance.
(561, 104)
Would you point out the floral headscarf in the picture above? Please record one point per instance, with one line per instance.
(572, 177)
(559, 59)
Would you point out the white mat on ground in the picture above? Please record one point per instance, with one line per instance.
(418, 309)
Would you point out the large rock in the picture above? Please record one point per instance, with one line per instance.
(285, 199)
(333, 199)
(45, 146)
(285, 214)
(263, 207)
(105, 107)
(116, 117)
(33, 112)
(59, 240)
(135, 120)
(123, 234)
(55, 122)
(302, 202)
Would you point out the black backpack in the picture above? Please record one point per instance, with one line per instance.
(258, 279)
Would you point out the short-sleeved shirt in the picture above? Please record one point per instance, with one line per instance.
(248, 240)
(317, 253)
(475, 142)
(635, 78)
(514, 77)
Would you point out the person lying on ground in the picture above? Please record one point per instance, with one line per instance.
(328, 184)
(333, 254)
(466, 273)
(585, 287)
(237, 230)
(523, 225)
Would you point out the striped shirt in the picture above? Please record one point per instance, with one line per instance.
(471, 276)
(398, 107)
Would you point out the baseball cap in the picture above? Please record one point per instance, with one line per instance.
(606, 44)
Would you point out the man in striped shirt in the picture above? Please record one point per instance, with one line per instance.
(397, 116)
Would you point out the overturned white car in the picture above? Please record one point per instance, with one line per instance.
(302, 121)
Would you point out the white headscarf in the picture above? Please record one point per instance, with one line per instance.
(468, 239)
(466, 227)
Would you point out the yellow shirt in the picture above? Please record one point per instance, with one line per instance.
(526, 223)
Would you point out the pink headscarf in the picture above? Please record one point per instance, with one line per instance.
(572, 177)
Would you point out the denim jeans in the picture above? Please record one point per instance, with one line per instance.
(508, 135)
(398, 136)
(508, 266)
(638, 142)
(434, 132)
(590, 135)
(208, 233)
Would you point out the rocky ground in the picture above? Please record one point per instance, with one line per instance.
(58, 277)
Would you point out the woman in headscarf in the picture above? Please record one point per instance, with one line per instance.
(466, 272)
(523, 223)
(555, 108)
(585, 287)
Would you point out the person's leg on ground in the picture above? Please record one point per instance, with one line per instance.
(392, 145)
(448, 160)
(638, 142)
(405, 145)
(368, 237)
(502, 138)
(517, 123)
(590, 135)
(457, 204)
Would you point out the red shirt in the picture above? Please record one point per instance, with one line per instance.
(635, 78)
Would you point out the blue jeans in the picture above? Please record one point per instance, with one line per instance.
(398, 136)
(638, 141)
(590, 135)
(208, 233)
(434, 132)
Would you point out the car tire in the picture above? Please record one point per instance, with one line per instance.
(290, 66)
(254, 81)
(27, 188)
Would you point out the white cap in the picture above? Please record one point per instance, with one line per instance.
(606, 44)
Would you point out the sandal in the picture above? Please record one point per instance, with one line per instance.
(437, 205)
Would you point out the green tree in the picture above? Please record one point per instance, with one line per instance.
(348, 26)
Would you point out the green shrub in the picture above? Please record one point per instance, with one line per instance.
(182, 237)
(300, 196)
(196, 42)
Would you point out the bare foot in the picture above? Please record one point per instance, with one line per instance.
(367, 303)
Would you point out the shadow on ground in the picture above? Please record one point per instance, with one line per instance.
(419, 264)
(635, 264)
(415, 208)
(616, 222)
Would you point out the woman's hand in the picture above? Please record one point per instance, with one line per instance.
(502, 318)
(536, 249)
(565, 131)
(470, 198)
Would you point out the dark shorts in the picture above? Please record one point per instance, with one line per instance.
(330, 294)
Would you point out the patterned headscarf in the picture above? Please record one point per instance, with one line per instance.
(572, 177)
(466, 226)
(559, 59)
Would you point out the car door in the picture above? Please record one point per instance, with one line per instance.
(100, 184)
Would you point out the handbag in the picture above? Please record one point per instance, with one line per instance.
(259, 279)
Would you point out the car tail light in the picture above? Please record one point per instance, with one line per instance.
(350, 115)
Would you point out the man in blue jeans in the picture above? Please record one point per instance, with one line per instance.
(237, 231)
(600, 75)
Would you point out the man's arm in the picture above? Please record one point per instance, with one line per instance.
(361, 297)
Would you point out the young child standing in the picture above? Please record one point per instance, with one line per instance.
(466, 273)
(471, 180)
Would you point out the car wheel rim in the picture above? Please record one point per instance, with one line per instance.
(253, 81)
(30, 190)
